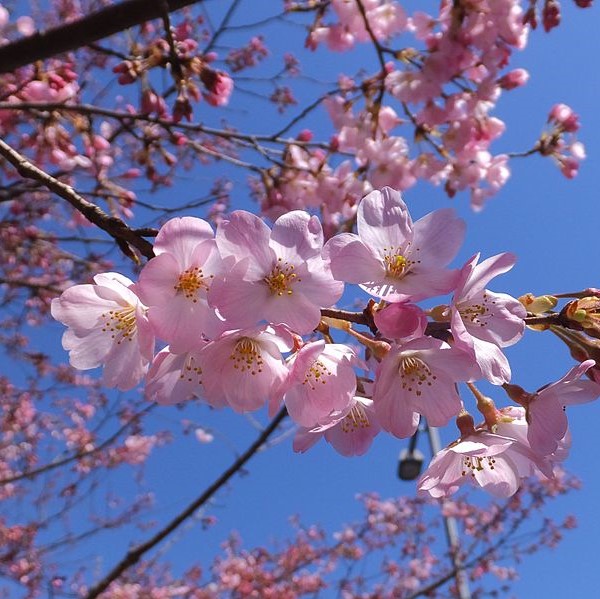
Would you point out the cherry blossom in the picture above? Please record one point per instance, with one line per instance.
(484, 459)
(322, 383)
(545, 409)
(419, 377)
(108, 325)
(350, 433)
(483, 321)
(393, 258)
(174, 378)
(279, 275)
(175, 284)
(244, 368)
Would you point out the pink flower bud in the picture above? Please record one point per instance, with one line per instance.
(514, 79)
(551, 15)
(305, 135)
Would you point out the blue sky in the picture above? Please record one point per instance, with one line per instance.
(552, 226)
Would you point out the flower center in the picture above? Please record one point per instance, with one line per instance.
(477, 464)
(191, 371)
(190, 282)
(356, 419)
(247, 356)
(316, 374)
(281, 278)
(397, 265)
(414, 374)
(121, 324)
(478, 314)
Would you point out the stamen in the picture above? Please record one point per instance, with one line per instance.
(478, 314)
(414, 374)
(316, 374)
(247, 356)
(477, 463)
(191, 371)
(121, 324)
(281, 278)
(356, 419)
(190, 282)
(397, 265)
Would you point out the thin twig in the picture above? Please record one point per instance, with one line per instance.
(114, 226)
(133, 556)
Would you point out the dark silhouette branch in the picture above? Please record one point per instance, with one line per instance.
(134, 555)
(84, 31)
(115, 227)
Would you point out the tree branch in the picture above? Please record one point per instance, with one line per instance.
(134, 555)
(84, 31)
(114, 226)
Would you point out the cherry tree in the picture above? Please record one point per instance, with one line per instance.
(296, 284)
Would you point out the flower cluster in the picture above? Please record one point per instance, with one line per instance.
(240, 311)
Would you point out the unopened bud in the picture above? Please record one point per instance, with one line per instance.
(465, 424)
(514, 79)
(584, 312)
(517, 394)
(538, 304)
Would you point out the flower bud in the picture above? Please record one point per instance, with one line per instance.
(584, 312)
(516, 78)
(465, 424)
(538, 304)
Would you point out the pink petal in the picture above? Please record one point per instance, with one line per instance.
(297, 236)
(181, 323)
(383, 220)
(179, 236)
(483, 273)
(547, 425)
(438, 237)
(245, 235)
(158, 280)
(352, 261)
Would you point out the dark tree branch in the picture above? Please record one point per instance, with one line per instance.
(114, 226)
(85, 31)
(134, 555)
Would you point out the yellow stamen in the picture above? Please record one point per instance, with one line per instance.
(121, 324)
(247, 356)
(281, 278)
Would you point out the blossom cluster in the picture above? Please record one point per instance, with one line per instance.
(240, 310)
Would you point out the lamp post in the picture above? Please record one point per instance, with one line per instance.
(410, 464)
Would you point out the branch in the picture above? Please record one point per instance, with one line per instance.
(84, 31)
(134, 555)
(31, 474)
(114, 226)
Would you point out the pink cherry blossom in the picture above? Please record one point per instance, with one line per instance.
(219, 86)
(496, 461)
(482, 321)
(322, 383)
(545, 409)
(175, 283)
(108, 326)
(488, 460)
(393, 258)
(245, 369)
(350, 433)
(174, 378)
(512, 422)
(279, 275)
(419, 378)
